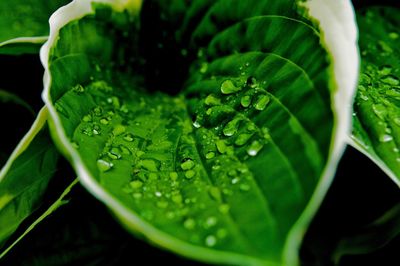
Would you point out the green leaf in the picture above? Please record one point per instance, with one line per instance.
(25, 176)
(24, 24)
(374, 236)
(376, 123)
(58, 203)
(201, 125)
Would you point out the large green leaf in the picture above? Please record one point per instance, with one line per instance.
(212, 128)
(24, 24)
(377, 108)
(25, 176)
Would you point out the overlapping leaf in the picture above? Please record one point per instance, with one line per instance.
(224, 171)
(25, 176)
(377, 114)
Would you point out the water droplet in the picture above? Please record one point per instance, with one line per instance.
(379, 110)
(158, 194)
(124, 150)
(231, 128)
(385, 70)
(210, 155)
(215, 193)
(96, 129)
(243, 139)
(187, 165)
(114, 153)
(204, 67)
(211, 241)
(190, 174)
(75, 145)
(87, 118)
(196, 124)
(118, 130)
(189, 224)
(128, 137)
(228, 87)
(391, 80)
(262, 102)
(245, 101)
(153, 176)
(385, 138)
(173, 176)
(221, 146)
(184, 52)
(104, 121)
(210, 222)
(149, 164)
(78, 89)
(98, 111)
(254, 148)
(212, 100)
(103, 165)
(136, 184)
(396, 150)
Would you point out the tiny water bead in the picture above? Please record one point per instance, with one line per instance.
(254, 148)
(385, 138)
(128, 137)
(210, 241)
(212, 100)
(245, 101)
(262, 102)
(104, 165)
(228, 87)
(189, 224)
(188, 164)
(136, 184)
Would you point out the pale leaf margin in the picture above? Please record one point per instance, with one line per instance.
(26, 140)
(337, 21)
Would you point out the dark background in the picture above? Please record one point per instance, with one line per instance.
(83, 232)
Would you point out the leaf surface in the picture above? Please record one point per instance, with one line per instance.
(376, 122)
(24, 24)
(25, 176)
(196, 122)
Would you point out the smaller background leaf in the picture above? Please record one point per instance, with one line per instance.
(24, 24)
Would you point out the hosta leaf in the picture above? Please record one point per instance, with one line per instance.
(25, 176)
(24, 24)
(377, 108)
(196, 122)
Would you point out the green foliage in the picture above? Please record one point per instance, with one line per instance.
(182, 169)
(377, 110)
(24, 24)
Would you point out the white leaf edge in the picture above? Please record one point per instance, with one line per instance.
(337, 20)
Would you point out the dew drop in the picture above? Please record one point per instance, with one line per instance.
(391, 80)
(215, 193)
(228, 87)
(128, 137)
(149, 164)
(114, 153)
(177, 198)
(196, 124)
(136, 184)
(118, 130)
(385, 138)
(212, 100)
(173, 176)
(379, 110)
(221, 146)
(244, 187)
(204, 67)
(158, 194)
(210, 155)
(162, 204)
(242, 139)
(211, 241)
(254, 148)
(189, 224)
(393, 35)
(245, 101)
(190, 174)
(231, 128)
(137, 195)
(87, 118)
(104, 166)
(262, 102)
(211, 221)
(187, 165)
